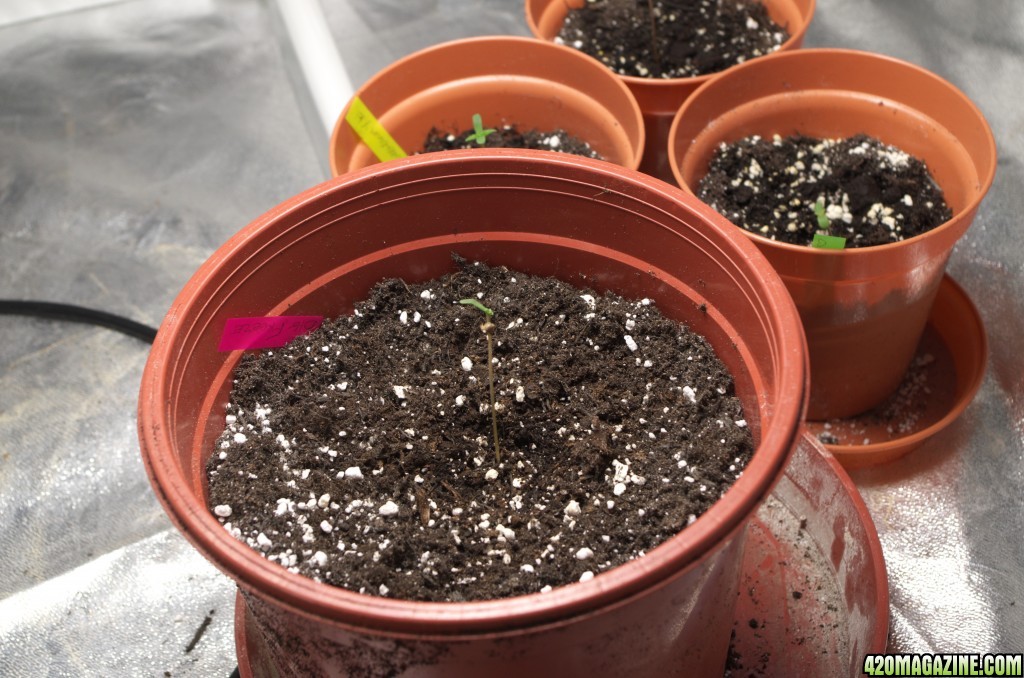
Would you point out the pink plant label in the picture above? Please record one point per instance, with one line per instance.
(243, 334)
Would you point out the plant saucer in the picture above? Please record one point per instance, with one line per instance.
(943, 378)
(814, 595)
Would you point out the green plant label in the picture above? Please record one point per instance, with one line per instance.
(828, 242)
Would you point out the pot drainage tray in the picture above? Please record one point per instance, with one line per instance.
(813, 597)
(943, 378)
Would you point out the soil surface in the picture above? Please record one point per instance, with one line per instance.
(686, 38)
(509, 136)
(361, 455)
(872, 193)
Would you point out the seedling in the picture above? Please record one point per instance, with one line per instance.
(487, 327)
(822, 239)
(479, 135)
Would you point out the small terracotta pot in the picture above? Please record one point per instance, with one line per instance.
(659, 99)
(585, 221)
(507, 80)
(863, 309)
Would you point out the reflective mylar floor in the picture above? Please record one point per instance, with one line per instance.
(136, 136)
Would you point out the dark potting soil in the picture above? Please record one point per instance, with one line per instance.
(361, 455)
(693, 37)
(873, 193)
(509, 136)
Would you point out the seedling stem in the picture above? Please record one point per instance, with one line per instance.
(487, 327)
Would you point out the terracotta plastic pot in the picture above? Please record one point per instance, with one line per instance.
(585, 221)
(659, 99)
(863, 309)
(507, 80)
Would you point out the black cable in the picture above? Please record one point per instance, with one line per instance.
(80, 314)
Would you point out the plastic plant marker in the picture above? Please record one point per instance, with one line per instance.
(372, 132)
(480, 135)
(243, 334)
(828, 242)
(823, 240)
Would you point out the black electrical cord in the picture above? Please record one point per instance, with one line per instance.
(79, 314)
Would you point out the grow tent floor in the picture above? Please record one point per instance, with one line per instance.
(813, 598)
(137, 136)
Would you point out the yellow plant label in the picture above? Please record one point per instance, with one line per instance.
(373, 134)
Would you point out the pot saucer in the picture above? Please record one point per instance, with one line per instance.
(814, 597)
(943, 378)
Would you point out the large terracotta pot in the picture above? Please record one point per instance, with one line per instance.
(863, 309)
(507, 80)
(585, 221)
(659, 99)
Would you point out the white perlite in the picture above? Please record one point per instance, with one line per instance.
(223, 510)
(630, 342)
(353, 472)
(467, 364)
(400, 392)
(584, 553)
(690, 394)
(389, 508)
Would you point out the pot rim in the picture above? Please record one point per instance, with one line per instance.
(794, 40)
(986, 170)
(513, 44)
(397, 617)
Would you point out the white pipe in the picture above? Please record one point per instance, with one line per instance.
(316, 69)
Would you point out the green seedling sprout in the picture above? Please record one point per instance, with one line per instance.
(487, 327)
(822, 239)
(480, 135)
